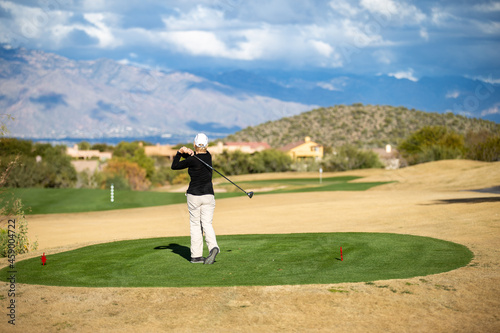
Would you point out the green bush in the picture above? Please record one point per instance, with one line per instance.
(119, 182)
(165, 175)
(270, 160)
(238, 163)
(15, 241)
(134, 152)
(483, 146)
(349, 157)
(432, 143)
(232, 163)
(38, 165)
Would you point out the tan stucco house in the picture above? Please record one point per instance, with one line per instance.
(304, 149)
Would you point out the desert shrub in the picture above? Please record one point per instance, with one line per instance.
(270, 160)
(15, 241)
(306, 164)
(165, 175)
(349, 157)
(122, 172)
(181, 178)
(87, 179)
(238, 163)
(39, 165)
(119, 182)
(483, 146)
(432, 143)
(102, 147)
(232, 163)
(12, 240)
(134, 152)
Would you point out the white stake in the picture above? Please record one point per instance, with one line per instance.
(112, 193)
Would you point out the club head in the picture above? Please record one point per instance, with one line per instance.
(250, 194)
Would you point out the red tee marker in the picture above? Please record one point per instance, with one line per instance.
(44, 259)
(341, 257)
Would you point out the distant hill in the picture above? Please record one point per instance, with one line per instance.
(358, 124)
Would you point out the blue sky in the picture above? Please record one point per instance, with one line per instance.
(405, 39)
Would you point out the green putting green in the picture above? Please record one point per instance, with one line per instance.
(245, 260)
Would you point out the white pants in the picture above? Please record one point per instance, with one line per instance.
(201, 213)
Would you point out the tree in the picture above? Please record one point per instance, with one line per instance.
(232, 163)
(102, 147)
(39, 165)
(349, 157)
(84, 145)
(432, 143)
(270, 160)
(119, 169)
(134, 152)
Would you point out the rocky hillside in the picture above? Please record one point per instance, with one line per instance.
(358, 124)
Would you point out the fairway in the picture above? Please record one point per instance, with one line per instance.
(69, 200)
(246, 260)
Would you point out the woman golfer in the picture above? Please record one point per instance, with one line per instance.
(200, 198)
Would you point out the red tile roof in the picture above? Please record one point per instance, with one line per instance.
(253, 145)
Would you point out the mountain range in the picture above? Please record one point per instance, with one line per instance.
(52, 97)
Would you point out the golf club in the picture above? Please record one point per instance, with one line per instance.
(250, 194)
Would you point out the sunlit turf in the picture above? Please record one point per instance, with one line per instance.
(245, 260)
(66, 200)
(342, 183)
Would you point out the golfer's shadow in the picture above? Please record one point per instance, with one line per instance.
(181, 250)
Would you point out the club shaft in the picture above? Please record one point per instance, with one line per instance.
(229, 180)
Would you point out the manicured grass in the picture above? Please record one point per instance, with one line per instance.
(68, 200)
(245, 260)
(292, 185)
(47, 201)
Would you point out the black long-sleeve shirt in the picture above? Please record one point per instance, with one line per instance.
(201, 175)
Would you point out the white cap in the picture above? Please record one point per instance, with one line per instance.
(201, 140)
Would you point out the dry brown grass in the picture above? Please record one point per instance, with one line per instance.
(428, 200)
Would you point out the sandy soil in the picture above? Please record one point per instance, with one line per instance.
(429, 200)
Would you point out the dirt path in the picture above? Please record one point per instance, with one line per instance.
(428, 200)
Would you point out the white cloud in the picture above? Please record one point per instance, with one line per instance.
(93, 5)
(355, 34)
(404, 75)
(383, 56)
(491, 28)
(323, 48)
(40, 26)
(198, 42)
(392, 11)
(305, 33)
(344, 8)
(424, 34)
(488, 79)
(336, 84)
(452, 94)
(488, 7)
(100, 30)
(493, 110)
(304, 44)
(440, 17)
(199, 18)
